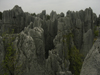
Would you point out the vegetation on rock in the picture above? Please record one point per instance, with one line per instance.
(9, 61)
(74, 56)
(96, 33)
(76, 61)
(33, 14)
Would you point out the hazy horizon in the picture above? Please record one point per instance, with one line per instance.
(36, 6)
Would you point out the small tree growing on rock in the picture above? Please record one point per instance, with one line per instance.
(73, 55)
(10, 54)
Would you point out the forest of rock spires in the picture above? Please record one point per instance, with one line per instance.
(40, 45)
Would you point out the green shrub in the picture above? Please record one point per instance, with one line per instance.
(33, 14)
(76, 61)
(47, 17)
(73, 55)
(68, 43)
(9, 59)
(96, 33)
(10, 54)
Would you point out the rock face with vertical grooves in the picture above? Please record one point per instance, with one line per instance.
(91, 65)
(1, 55)
(41, 45)
(82, 23)
(0, 27)
(30, 49)
(15, 19)
(87, 42)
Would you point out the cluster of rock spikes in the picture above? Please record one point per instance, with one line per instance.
(39, 44)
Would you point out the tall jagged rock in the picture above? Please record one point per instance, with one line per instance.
(43, 14)
(50, 31)
(1, 55)
(91, 64)
(10, 15)
(64, 26)
(30, 48)
(82, 22)
(41, 45)
(15, 19)
(98, 21)
(26, 54)
(87, 42)
(88, 22)
(78, 33)
(0, 27)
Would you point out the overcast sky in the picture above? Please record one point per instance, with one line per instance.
(59, 6)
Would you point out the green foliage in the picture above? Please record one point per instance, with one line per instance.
(67, 41)
(1, 15)
(33, 14)
(9, 62)
(47, 17)
(75, 60)
(73, 55)
(9, 59)
(96, 33)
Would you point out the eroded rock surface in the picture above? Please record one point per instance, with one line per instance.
(1, 55)
(91, 65)
(15, 19)
(41, 45)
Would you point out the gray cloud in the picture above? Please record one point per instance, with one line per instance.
(57, 5)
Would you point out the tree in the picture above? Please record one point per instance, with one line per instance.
(33, 14)
(73, 55)
(47, 17)
(76, 61)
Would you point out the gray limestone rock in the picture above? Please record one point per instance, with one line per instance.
(43, 14)
(87, 42)
(15, 19)
(26, 53)
(61, 14)
(91, 64)
(1, 55)
(53, 63)
(53, 15)
(17, 9)
(61, 73)
(37, 33)
(64, 73)
(98, 21)
(88, 21)
(0, 27)
(10, 15)
(30, 49)
(64, 28)
(41, 46)
(78, 34)
(50, 31)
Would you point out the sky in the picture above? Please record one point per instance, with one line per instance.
(36, 6)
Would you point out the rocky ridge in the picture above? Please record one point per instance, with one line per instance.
(40, 44)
